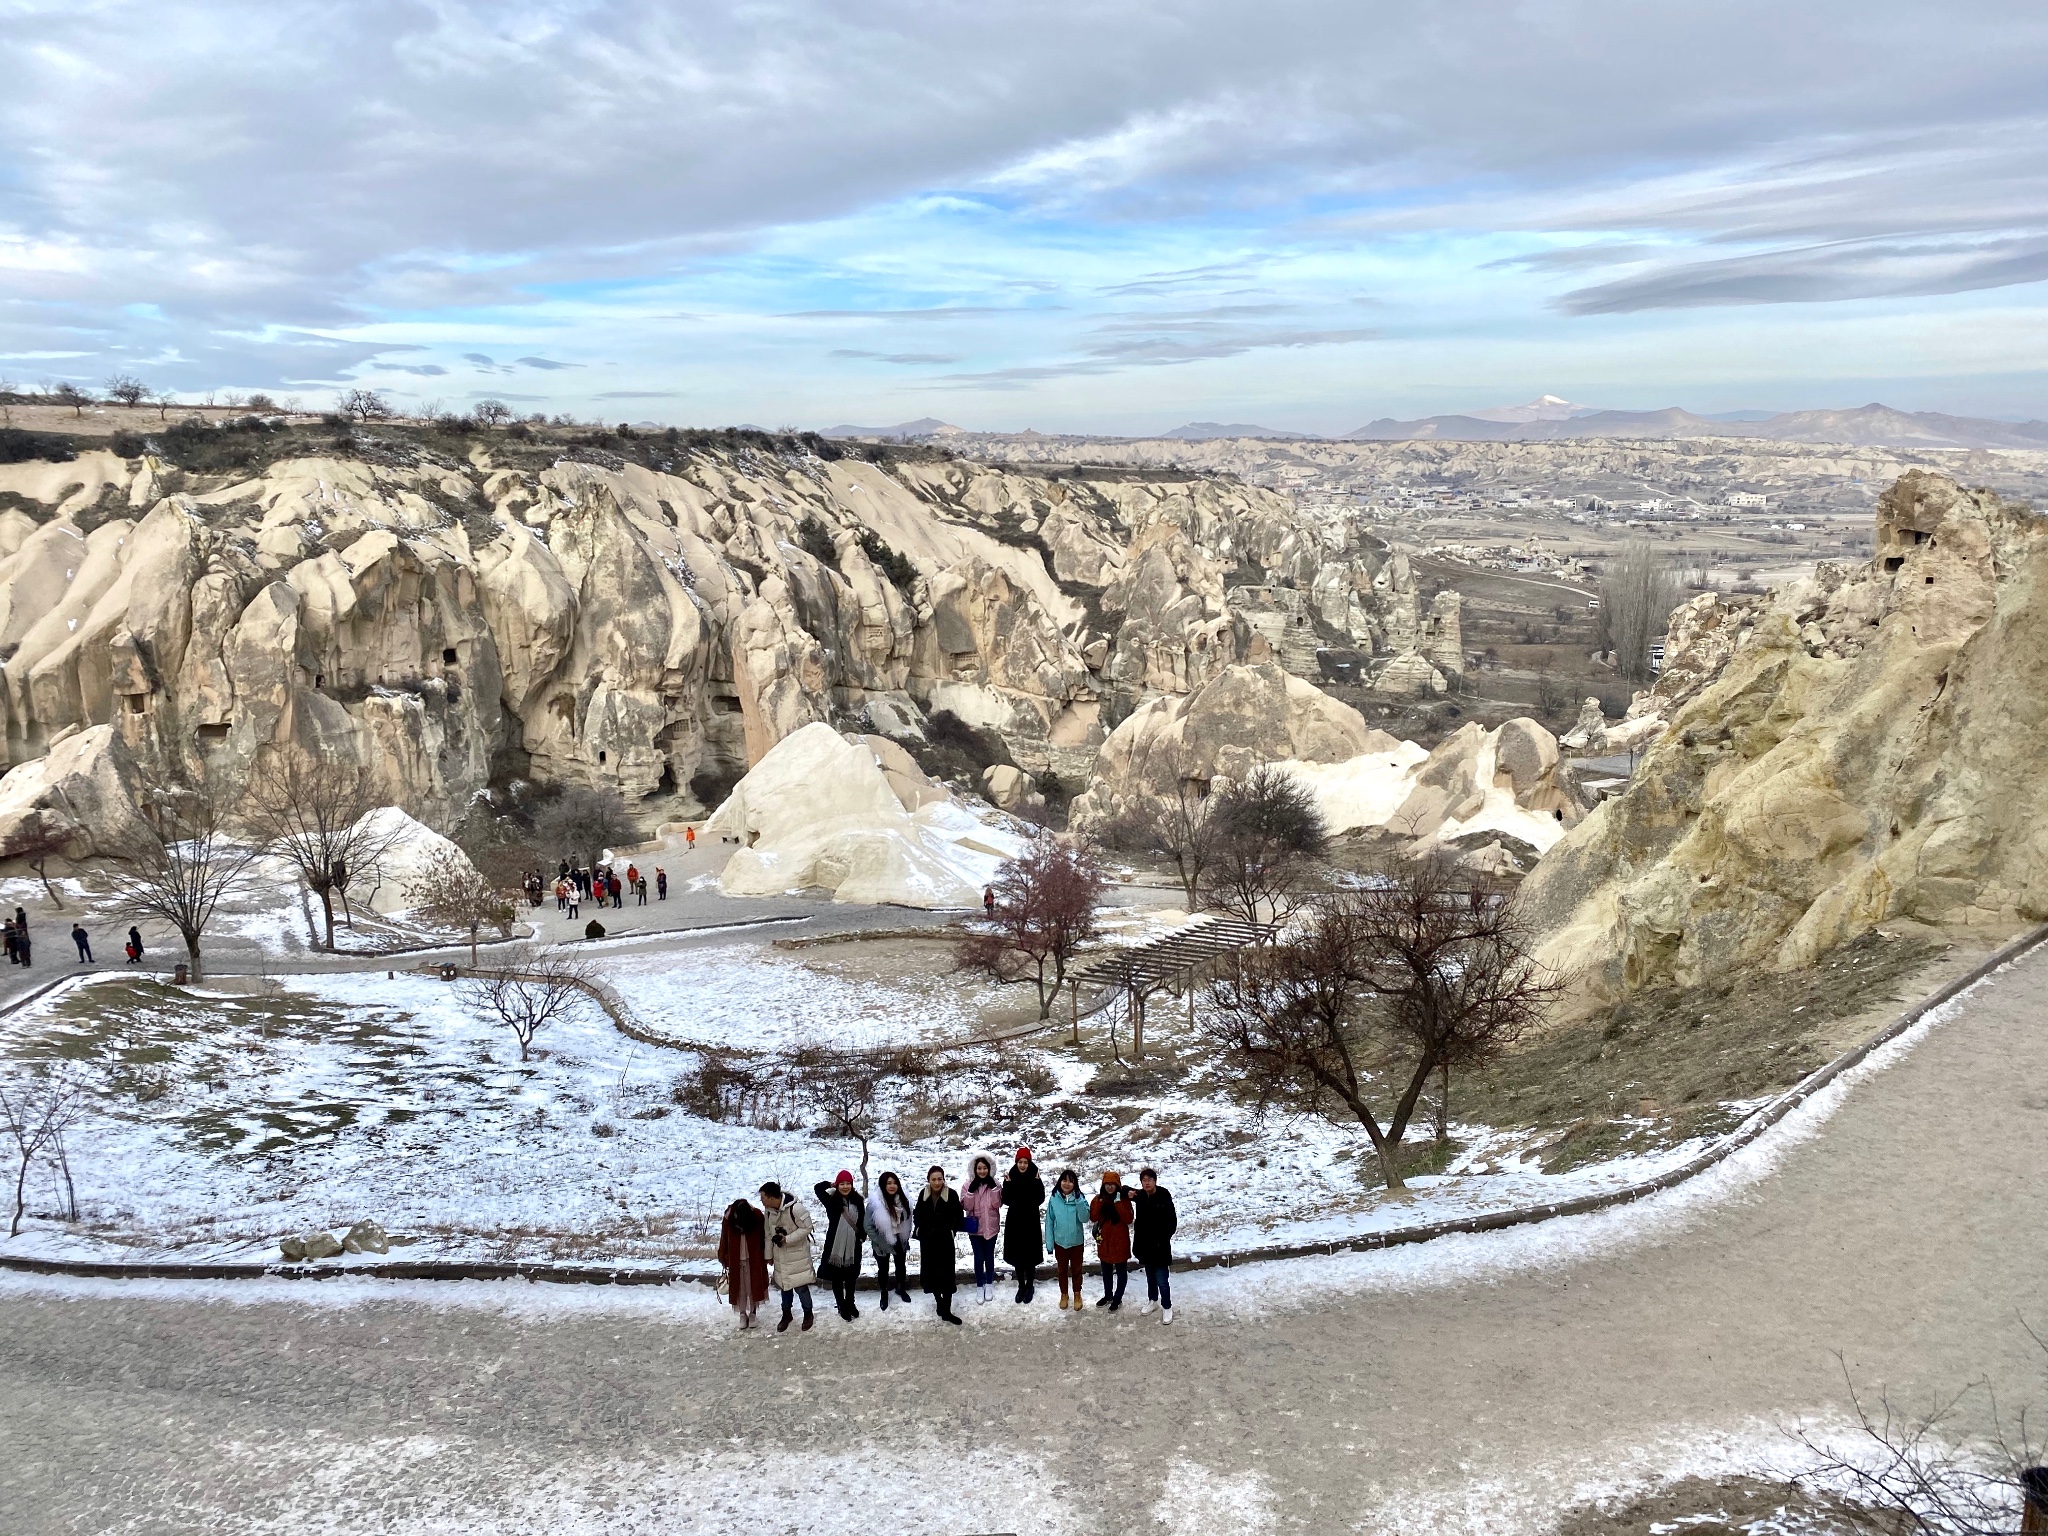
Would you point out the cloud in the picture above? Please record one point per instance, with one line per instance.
(641, 394)
(424, 370)
(907, 358)
(1128, 344)
(391, 169)
(546, 362)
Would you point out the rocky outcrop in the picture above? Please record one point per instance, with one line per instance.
(842, 814)
(577, 618)
(1246, 715)
(1867, 752)
(78, 800)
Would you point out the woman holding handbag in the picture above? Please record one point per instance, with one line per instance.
(742, 1251)
(936, 1218)
(983, 1204)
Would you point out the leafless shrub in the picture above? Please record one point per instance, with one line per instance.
(126, 389)
(1267, 842)
(36, 1108)
(453, 893)
(531, 993)
(1914, 1480)
(363, 405)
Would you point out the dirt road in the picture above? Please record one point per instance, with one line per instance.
(1453, 1388)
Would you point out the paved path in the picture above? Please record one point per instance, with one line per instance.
(1908, 1235)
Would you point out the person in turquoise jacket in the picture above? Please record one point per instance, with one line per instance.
(1066, 1229)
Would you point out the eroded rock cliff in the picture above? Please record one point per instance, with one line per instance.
(1864, 747)
(582, 616)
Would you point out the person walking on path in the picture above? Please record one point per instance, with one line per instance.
(618, 893)
(889, 1224)
(21, 941)
(1023, 1236)
(935, 1220)
(84, 943)
(845, 1235)
(988, 900)
(632, 874)
(640, 890)
(561, 895)
(134, 945)
(1152, 1240)
(689, 839)
(741, 1249)
(982, 1205)
(1111, 1213)
(1066, 1228)
(660, 883)
(789, 1250)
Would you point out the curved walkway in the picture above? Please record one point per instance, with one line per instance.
(1465, 1386)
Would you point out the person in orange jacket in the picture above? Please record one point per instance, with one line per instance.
(1111, 1214)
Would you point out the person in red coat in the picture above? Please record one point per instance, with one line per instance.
(742, 1250)
(1110, 1213)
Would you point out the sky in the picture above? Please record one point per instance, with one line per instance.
(1111, 216)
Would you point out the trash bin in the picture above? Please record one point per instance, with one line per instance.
(181, 974)
(449, 970)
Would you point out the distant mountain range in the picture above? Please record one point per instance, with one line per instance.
(1550, 418)
(1871, 426)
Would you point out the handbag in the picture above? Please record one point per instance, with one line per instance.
(974, 1226)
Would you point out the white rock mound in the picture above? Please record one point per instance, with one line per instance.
(1504, 781)
(855, 817)
(413, 848)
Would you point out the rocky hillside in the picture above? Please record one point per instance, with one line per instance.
(1863, 748)
(655, 615)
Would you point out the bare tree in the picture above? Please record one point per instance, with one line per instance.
(1175, 827)
(35, 1110)
(314, 813)
(844, 1091)
(363, 405)
(583, 821)
(180, 863)
(1384, 988)
(1913, 1480)
(71, 395)
(1268, 839)
(262, 404)
(451, 892)
(1046, 909)
(36, 843)
(126, 389)
(491, 413)
(163, 400)
(1637, 594)
(533, 991)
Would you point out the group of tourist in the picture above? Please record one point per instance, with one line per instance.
(603, 884)
(772, 1243)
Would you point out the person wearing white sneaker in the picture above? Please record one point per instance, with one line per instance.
(1155, 1221)
(982, 1203)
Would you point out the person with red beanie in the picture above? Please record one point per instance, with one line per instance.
(845, 1241)
(1112, 1213)
(1023, 1233)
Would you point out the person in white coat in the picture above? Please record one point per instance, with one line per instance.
(789, 1252)
(889, 1234)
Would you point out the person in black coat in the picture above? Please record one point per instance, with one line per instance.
(845, 1240)
(937, 1217)
(1023, 1230)
(1152, 1240)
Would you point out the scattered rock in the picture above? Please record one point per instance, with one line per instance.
(366, 1237)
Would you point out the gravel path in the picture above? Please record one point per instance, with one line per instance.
(1467, 1386)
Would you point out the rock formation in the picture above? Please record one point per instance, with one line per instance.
(1246, 715)
(853, 816)
(656, 624)
(1866, 751)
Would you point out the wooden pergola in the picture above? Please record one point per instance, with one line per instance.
(1180, 957)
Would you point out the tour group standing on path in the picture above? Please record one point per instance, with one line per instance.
(772, 1244)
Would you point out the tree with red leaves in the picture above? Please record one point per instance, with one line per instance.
(1046, 905)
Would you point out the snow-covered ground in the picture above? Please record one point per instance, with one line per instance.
(244, 1113)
